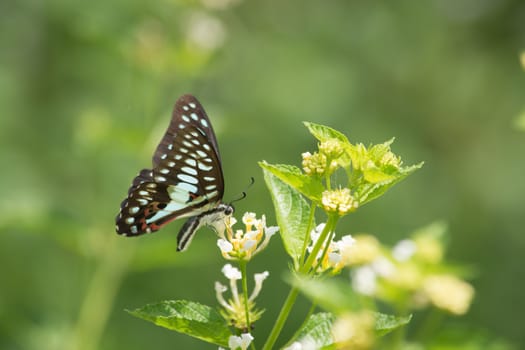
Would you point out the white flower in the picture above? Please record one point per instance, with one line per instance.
(314, 235)
(259, 279)
(231, 273)
(249, 219)
(242, 342)
(364, 280)
(404, 250)
(306, 343)
(248, 245)
(334, 258)
(346, 242)
(219, 289)
(270, 231)
(295, 346)
(244, 244)
(224, 246)
(383, 267)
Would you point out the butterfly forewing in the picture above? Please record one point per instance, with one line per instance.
(186, 178)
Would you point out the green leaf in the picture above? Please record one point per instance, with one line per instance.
(292, 213)
(310, 186)
(318, 329)
(388, 323)
(187, 317)
(331, 294)
(368, 191)
(376, 152)
(324, 133)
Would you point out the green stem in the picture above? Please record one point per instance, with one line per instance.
(329, 227)
(327, 246)
(294, 292)
(281, 319)
(242, 265)
(327, 179)
(306, 318)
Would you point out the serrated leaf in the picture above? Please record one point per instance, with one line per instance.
(187, 317)
(368, 192)
(318, 329)
(324, 133)
(331, 294)
(377, 152)
(292, 213)
(388, 323)
(309, 186)
(375, 175)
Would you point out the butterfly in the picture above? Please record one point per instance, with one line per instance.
(186, 180)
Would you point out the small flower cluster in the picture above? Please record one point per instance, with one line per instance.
(363, 173)
(243, 245)
(324, 162)
(412, 270)
(234, 310)
(315, 164)
(339, 201)
(337, 253)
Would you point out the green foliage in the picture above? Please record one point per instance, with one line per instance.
(310, 187)
(187, 317)
(388, 323)
(86, 90)
(331, 294)
(291, 211)
(318, 328)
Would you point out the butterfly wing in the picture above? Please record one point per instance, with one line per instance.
(186, 178)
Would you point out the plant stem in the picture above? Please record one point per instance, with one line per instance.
(242, 264)
(329, 227)
(294, 292)
(327, 179)
(306, 318)
(281, 319)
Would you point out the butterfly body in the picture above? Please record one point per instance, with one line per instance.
(186, 179)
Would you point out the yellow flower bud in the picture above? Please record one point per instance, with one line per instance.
(314, 164)
(339, 201)
(332, 148)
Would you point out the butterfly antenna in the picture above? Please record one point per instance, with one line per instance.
(243, 193)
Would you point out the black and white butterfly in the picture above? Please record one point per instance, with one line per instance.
(186, 180)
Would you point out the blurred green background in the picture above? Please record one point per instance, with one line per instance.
(86, 91)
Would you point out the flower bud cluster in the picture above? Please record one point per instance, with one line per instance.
(339, 201)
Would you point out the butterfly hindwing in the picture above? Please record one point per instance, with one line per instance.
(186, 178)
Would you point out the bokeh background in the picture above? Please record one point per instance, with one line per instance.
(86, 91)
